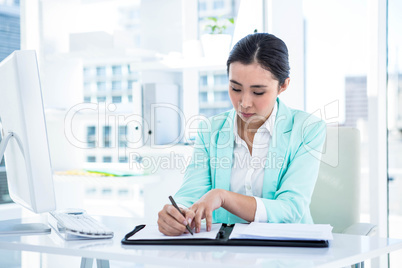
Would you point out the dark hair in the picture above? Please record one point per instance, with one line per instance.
(265, 49)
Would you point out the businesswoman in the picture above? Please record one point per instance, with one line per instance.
(257, 162)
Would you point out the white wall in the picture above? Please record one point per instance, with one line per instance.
(284, 19)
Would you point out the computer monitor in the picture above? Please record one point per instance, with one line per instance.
(24, 137)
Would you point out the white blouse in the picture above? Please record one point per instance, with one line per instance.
(247, 174)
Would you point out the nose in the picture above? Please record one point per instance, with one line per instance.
(246, 101)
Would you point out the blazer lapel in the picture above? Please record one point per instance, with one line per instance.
(224, 153)
(277, 149)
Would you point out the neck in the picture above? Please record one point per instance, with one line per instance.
(244, 127)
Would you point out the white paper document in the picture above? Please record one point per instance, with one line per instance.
(282, 231)
(152, 232)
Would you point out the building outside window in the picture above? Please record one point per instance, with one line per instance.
(116, 85)
(117, 70)
(87, 86)
(123, 159)
(130, 84)
(91, 138)
(122, 136)
(9, 41)
(9, 28)
(213, 84)
(221, 79)
(101, 71)
(130, 70)
(116, 99)
(91, 159)
(107, 159)
(101, 86)
(87, 72)
(101, 98)
(203, 80)
(107, 131)
(219, 4)
(213, 93)
(202, 6)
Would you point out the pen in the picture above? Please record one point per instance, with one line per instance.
(175, 205)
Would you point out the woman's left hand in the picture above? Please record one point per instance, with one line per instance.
(203, 208)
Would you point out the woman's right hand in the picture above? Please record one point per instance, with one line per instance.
(171, 222)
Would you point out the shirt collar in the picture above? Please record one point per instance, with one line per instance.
(269, 124)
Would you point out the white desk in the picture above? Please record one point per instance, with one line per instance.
(344, 250)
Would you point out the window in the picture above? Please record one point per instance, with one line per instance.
(219, 4)
(130, 84)
(346, 95)
(91, 138)
(107, 191)
(394, 113)
(130, 98)
(107, 159)
(213, 94)
(87, 99)
(101, 98)
(221, 79)
(116, 85)
(107, 130)
(202, 6)
(123, 192)
(116, 70)
(101, 71)
(221, 96)
(123, 159)
(203, 81)
(9, 28)
(122, 136)
(130, 71)
(101, 86)
(90, 191)
(87, 86)
(116, 99)
(204, 96)
(87, 71)
(91, 159)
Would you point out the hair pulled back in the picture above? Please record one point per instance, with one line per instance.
(263, 48)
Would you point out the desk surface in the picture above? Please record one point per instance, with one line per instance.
(343, 250)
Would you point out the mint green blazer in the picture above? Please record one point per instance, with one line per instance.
(291, 168)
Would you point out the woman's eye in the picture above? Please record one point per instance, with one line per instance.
(259, 93)
(235, 89)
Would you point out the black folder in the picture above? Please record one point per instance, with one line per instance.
(222, 239)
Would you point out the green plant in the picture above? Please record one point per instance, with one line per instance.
(217, 25)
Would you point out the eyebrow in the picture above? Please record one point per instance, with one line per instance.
(253, 86)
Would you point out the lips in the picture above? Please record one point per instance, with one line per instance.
(246, 114)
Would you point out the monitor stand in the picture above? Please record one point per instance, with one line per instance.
(15, 227)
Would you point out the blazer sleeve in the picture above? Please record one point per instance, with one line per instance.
(197, 178)
(295, 187)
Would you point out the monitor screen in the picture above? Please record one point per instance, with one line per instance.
(24, 136)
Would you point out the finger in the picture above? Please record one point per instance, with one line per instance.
(189, 215)
(166, 230)
(197, 218)
(173, 212)
(168, 222)
(169, 226)
(208, 216)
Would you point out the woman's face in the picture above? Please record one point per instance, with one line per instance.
(253, 91)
